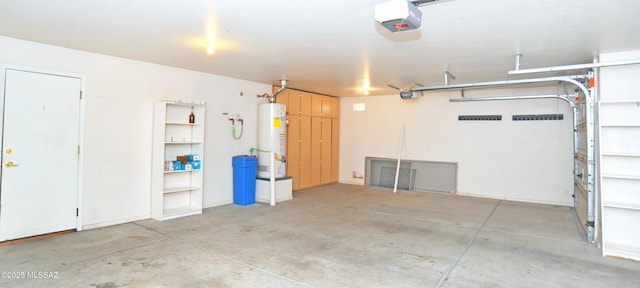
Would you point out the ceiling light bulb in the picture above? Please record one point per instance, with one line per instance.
(210, 50)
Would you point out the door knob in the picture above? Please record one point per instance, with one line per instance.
(10, 164)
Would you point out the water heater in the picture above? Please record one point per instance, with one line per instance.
(272, 136)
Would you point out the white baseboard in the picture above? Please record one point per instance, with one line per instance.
(115, 222)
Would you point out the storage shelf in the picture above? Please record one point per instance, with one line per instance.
(183, 142)
(168, 190)
(620, 126)
(176, 193)
(620, 154)
(620, 202)
(183, 124)
(621, 250)
(621, 101)
(621, 205)
(617, 176)
(184, 102)
(180, 171)
(181, 212)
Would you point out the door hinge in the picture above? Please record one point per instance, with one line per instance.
(77, 212)
(78, 149)
(80, 95)
(591, 224)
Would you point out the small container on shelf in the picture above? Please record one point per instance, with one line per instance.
(177, 165)
(192, 117)
(168, 165)
(193, 157)
(183, 159)
(196, 164)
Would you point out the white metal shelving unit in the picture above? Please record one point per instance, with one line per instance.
(176, 193)
(619, 131)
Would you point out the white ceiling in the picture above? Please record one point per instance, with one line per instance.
(333, 46)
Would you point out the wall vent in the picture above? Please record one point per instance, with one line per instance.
(538, 117)
(414, 175)
(480, 117)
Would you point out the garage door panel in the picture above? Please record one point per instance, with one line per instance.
(584, 191)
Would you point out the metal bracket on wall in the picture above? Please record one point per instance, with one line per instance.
(447, 77)
(518, 59)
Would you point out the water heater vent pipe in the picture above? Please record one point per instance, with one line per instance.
(283, 84)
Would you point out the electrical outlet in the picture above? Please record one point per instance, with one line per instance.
(357, 175)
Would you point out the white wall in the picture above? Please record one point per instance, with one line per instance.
(118, 122)
(516, 160)
(619, 82)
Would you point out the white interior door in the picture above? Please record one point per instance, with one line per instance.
(39, 188)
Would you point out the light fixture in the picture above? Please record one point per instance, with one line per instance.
(210, 50)
(366, 85)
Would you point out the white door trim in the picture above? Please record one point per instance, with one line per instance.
(3, 71)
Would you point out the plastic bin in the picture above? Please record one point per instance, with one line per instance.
(244, 179)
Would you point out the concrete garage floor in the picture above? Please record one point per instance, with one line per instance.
(332, 236)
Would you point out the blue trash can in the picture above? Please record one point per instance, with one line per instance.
(244, 179)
